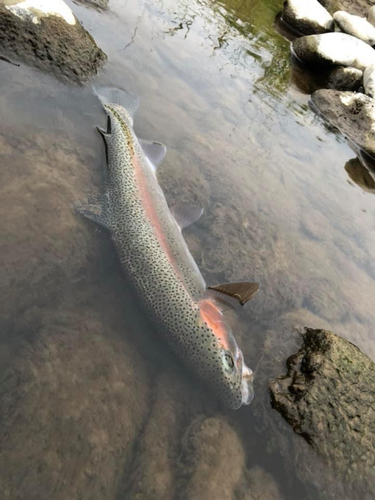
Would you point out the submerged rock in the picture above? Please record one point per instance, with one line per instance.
(359, 174)
(47, 35)
(342, 78)
(307, 16)
(356, 26)
(334, 48)
(352, 113)
(207, 464)
(328, 397)
(371, 15)
(369, 80)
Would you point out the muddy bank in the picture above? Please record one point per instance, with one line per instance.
(50, 44)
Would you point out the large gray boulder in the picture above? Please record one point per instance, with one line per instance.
(328, 397)
(352, 113)
(307, 16)
(47, 35)
(356, 26)
(334, 48)
(343, 78)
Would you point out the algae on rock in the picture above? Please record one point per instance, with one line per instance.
(57, 44)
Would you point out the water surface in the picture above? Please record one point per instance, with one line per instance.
(216, 86)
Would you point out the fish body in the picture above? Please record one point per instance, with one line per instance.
(157, 261)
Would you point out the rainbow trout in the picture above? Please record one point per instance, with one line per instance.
(148, 238)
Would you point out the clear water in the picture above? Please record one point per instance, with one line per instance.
(105, 409)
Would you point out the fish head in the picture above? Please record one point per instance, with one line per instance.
(231, 378)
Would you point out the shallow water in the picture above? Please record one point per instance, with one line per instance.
(216, 86)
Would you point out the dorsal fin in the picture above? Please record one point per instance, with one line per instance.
(234, 293)
(185, 215)
(154, 151)
(111, 95)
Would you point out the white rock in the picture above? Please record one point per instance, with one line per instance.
(369, 80)
(33, 10)
(356, 26)
(334, 48)
(311, 10)
(307, 16)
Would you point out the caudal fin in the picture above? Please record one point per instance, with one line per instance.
(111, 95)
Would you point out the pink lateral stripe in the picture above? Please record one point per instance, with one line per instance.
(151, 211)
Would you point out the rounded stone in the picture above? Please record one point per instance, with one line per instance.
(352, 113)
(47, 35)
(356, 26)
(334, 48)
(328, 397)
(369, 80)
(342, 78)
(307, 17)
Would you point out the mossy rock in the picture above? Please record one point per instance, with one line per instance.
(328, 397)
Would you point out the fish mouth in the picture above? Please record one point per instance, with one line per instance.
(247, 388)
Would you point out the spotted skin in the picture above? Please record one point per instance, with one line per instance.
(155, 257)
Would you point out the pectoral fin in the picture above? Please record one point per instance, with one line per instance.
(234, 294)
(185, 215)
(154, 151)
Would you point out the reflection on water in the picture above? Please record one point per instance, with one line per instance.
(215, 85)
(244, 33)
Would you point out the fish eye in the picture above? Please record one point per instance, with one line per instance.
(228, 361)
